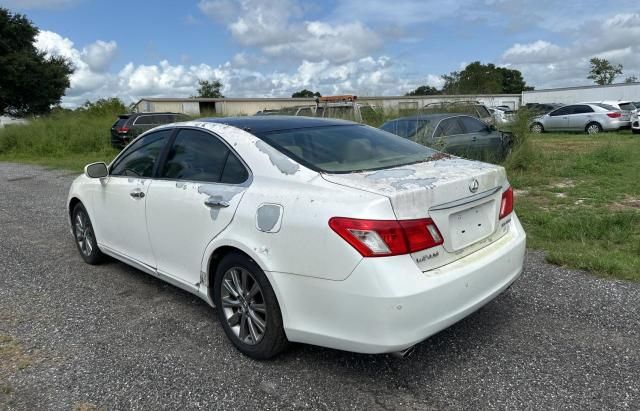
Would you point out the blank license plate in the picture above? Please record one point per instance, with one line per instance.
(471, 225)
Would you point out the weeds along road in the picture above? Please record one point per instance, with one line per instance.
(74, 335)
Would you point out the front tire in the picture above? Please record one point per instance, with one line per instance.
(247, 308)
(85, 236)
(593, 128)
(536, 128)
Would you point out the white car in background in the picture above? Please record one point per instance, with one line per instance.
(318, 231)
(635, 123)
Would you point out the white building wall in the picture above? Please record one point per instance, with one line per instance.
(569, 95)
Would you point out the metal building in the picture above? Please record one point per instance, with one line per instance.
(250, 106)
(569, 95)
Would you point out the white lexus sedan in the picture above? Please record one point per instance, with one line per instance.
(308, 230)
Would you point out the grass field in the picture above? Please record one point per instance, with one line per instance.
(578, 196)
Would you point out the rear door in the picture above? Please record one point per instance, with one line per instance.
(486, 142)
(450, 137)
(194, 198)
(580, 116)
(119, 204)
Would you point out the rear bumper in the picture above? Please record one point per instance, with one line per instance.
(388, 304)
(616, 125)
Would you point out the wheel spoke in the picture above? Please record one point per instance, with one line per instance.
(236, 281)
(229, 287)
(243, 283)
(79, 221)
(87, 239)
(252, 330)
(260, 308)
(229, 302)
(257, 321)
(255, 289)
(243, 327)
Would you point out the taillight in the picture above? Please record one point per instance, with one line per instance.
(381, 238)
(123, 130)
(506, 206)
(614, 114)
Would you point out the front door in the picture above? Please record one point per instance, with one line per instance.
(558, 119)
(195, 197)
(450, 137)
(120, 201)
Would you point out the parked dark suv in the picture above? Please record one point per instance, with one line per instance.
(129, 126)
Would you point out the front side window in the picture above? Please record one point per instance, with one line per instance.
(562, 111)
(346, 149)
(199, 156)
(140, 157)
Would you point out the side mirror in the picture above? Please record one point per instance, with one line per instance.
(96, 170)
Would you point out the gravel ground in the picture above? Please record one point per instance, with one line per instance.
(115, 338)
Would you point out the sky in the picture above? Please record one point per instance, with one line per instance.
(272, 48)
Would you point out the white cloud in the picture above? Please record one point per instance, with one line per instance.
(277, 28)
(545, 64)
(98, 55)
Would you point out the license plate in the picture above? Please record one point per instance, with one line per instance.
(471, 225)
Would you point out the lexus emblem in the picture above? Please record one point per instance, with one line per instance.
(474, 185)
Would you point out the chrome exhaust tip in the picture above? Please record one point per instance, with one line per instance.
(404, 353)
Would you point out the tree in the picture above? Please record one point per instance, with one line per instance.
(602, 71)
(423, 91)
(30, 82)
(305, 93)
(209, 89)
(104, 106)
(478, 78)
(631, 79)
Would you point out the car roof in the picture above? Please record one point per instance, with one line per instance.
(265, 124)
(437, 116)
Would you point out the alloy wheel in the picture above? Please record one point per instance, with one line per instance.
(593, 129)
(84, 233)
(243, 305)
(536, 128)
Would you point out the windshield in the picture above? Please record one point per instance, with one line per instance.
(346, 149)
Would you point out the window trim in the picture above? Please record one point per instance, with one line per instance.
(174, 135)
(154, 172)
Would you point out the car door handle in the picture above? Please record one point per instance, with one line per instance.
(137, 194)
(215, 203)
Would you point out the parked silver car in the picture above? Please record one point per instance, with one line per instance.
(635, 123)
(591, 118)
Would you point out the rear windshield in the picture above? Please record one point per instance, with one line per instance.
(347, 149)
(627, 106)
(120, 122)
(410, 129)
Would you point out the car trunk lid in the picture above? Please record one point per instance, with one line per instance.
(462, 197)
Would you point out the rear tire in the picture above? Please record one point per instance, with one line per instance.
(247, 308)
(85, 236)
(593, 128)
(635, 131)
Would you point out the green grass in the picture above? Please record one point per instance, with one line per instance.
(63, 140)
(579, 199)
(578, 196)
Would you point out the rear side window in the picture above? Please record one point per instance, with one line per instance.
(144, 120)
(140, 157)
(473, 125)
(449, 127)
(482, 111)
(199, 156)
(581, 109)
